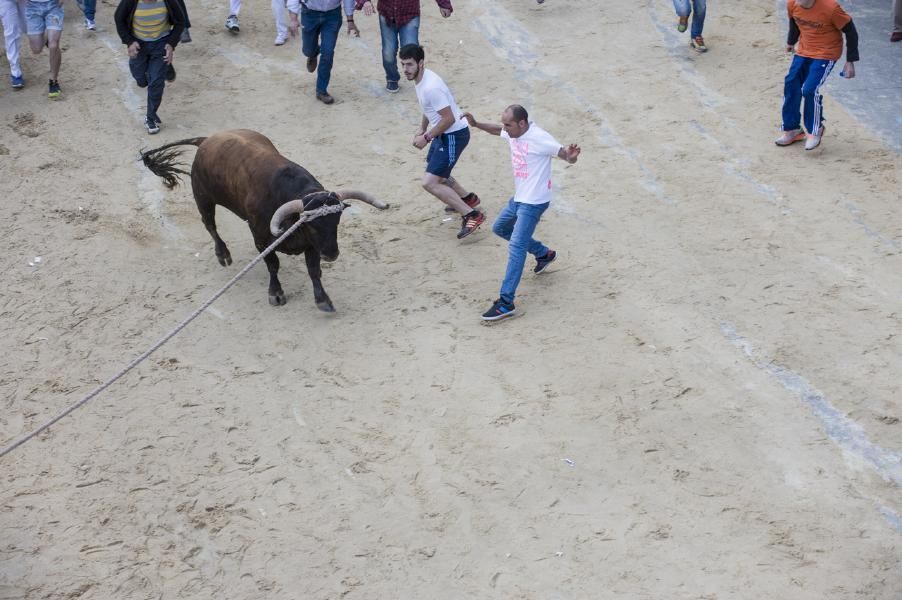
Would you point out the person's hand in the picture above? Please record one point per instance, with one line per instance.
(167, 57)
(848, 71)
(446, 12)
(572, 153)
(420, 141)
(368, 9)
(352, 28)
(133, 49)
(293, 24)
(790, 48)
(470, 119)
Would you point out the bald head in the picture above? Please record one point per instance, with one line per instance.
(515, 120)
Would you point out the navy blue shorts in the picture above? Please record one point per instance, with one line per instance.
(445, 150)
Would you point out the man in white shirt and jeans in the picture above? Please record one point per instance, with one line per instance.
(532, 149)
(446, 132)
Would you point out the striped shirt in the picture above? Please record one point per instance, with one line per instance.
(151, 21)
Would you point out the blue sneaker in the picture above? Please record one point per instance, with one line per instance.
(17, 81)
(392, 87)
(500, 310)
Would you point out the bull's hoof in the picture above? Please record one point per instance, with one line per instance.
(225, 260)
(325, 306)
(277, 299)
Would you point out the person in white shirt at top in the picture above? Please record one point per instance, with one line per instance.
(532, 149)
(320, 23)
(278, 12)
(447, 133)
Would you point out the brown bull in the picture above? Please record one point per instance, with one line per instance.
(242, 171)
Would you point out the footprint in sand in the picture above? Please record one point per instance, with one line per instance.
(26, 125)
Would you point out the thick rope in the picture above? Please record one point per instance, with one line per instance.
(305, 216)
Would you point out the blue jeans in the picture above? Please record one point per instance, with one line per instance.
(698, 9)
(319, 34)
(516, 223)
(408, 33)
(149, 70)
(89, 7)
(803, 82)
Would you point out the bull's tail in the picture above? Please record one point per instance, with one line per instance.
(162, 161)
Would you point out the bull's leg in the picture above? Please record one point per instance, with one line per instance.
(276, 295)
(208, 215)
(323, 302)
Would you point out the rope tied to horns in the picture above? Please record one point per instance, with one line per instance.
(306, 216)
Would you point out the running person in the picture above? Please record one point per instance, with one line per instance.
(447, 133)
(818, 27)
(44, 20)
(532, 149)
(697, 8)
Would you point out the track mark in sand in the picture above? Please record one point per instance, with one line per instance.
(845, 433)
(711, 100)
(735, 166)
(512, 42)
(869, 231)
(708, 97)
(27, 125)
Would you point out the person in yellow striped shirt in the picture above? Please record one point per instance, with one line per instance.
(151, 29)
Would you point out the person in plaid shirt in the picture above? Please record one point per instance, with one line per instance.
(399, 24)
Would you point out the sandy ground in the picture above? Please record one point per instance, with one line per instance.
(701, 401)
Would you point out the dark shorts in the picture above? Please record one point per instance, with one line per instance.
(445, 150)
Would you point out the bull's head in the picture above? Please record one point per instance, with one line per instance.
(323, 229)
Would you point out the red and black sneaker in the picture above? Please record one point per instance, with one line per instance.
(470, 223)
(471, 199)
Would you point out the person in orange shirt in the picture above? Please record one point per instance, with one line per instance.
(818, 27)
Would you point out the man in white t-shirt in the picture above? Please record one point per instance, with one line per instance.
(446, 132)
(532, 149)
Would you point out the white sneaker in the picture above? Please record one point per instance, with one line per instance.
(813, 141)
(232, 24)
(790, 137)
(89, 24)
(280, 40)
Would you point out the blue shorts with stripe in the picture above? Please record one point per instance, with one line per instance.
(445, 150)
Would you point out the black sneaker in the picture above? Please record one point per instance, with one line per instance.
(151, 126)
(500, 310)
(53, 90)
(471, 199)
(170, 73)
(542, 262)
(470, 223)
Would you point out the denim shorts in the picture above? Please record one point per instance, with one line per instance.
(41, 16)
(445, 150)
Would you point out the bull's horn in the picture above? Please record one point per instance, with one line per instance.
(293, 207)
(362, 196)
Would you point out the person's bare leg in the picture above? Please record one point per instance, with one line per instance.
(56, 55)
(454, 185)
(435, 186)
(36, 43)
